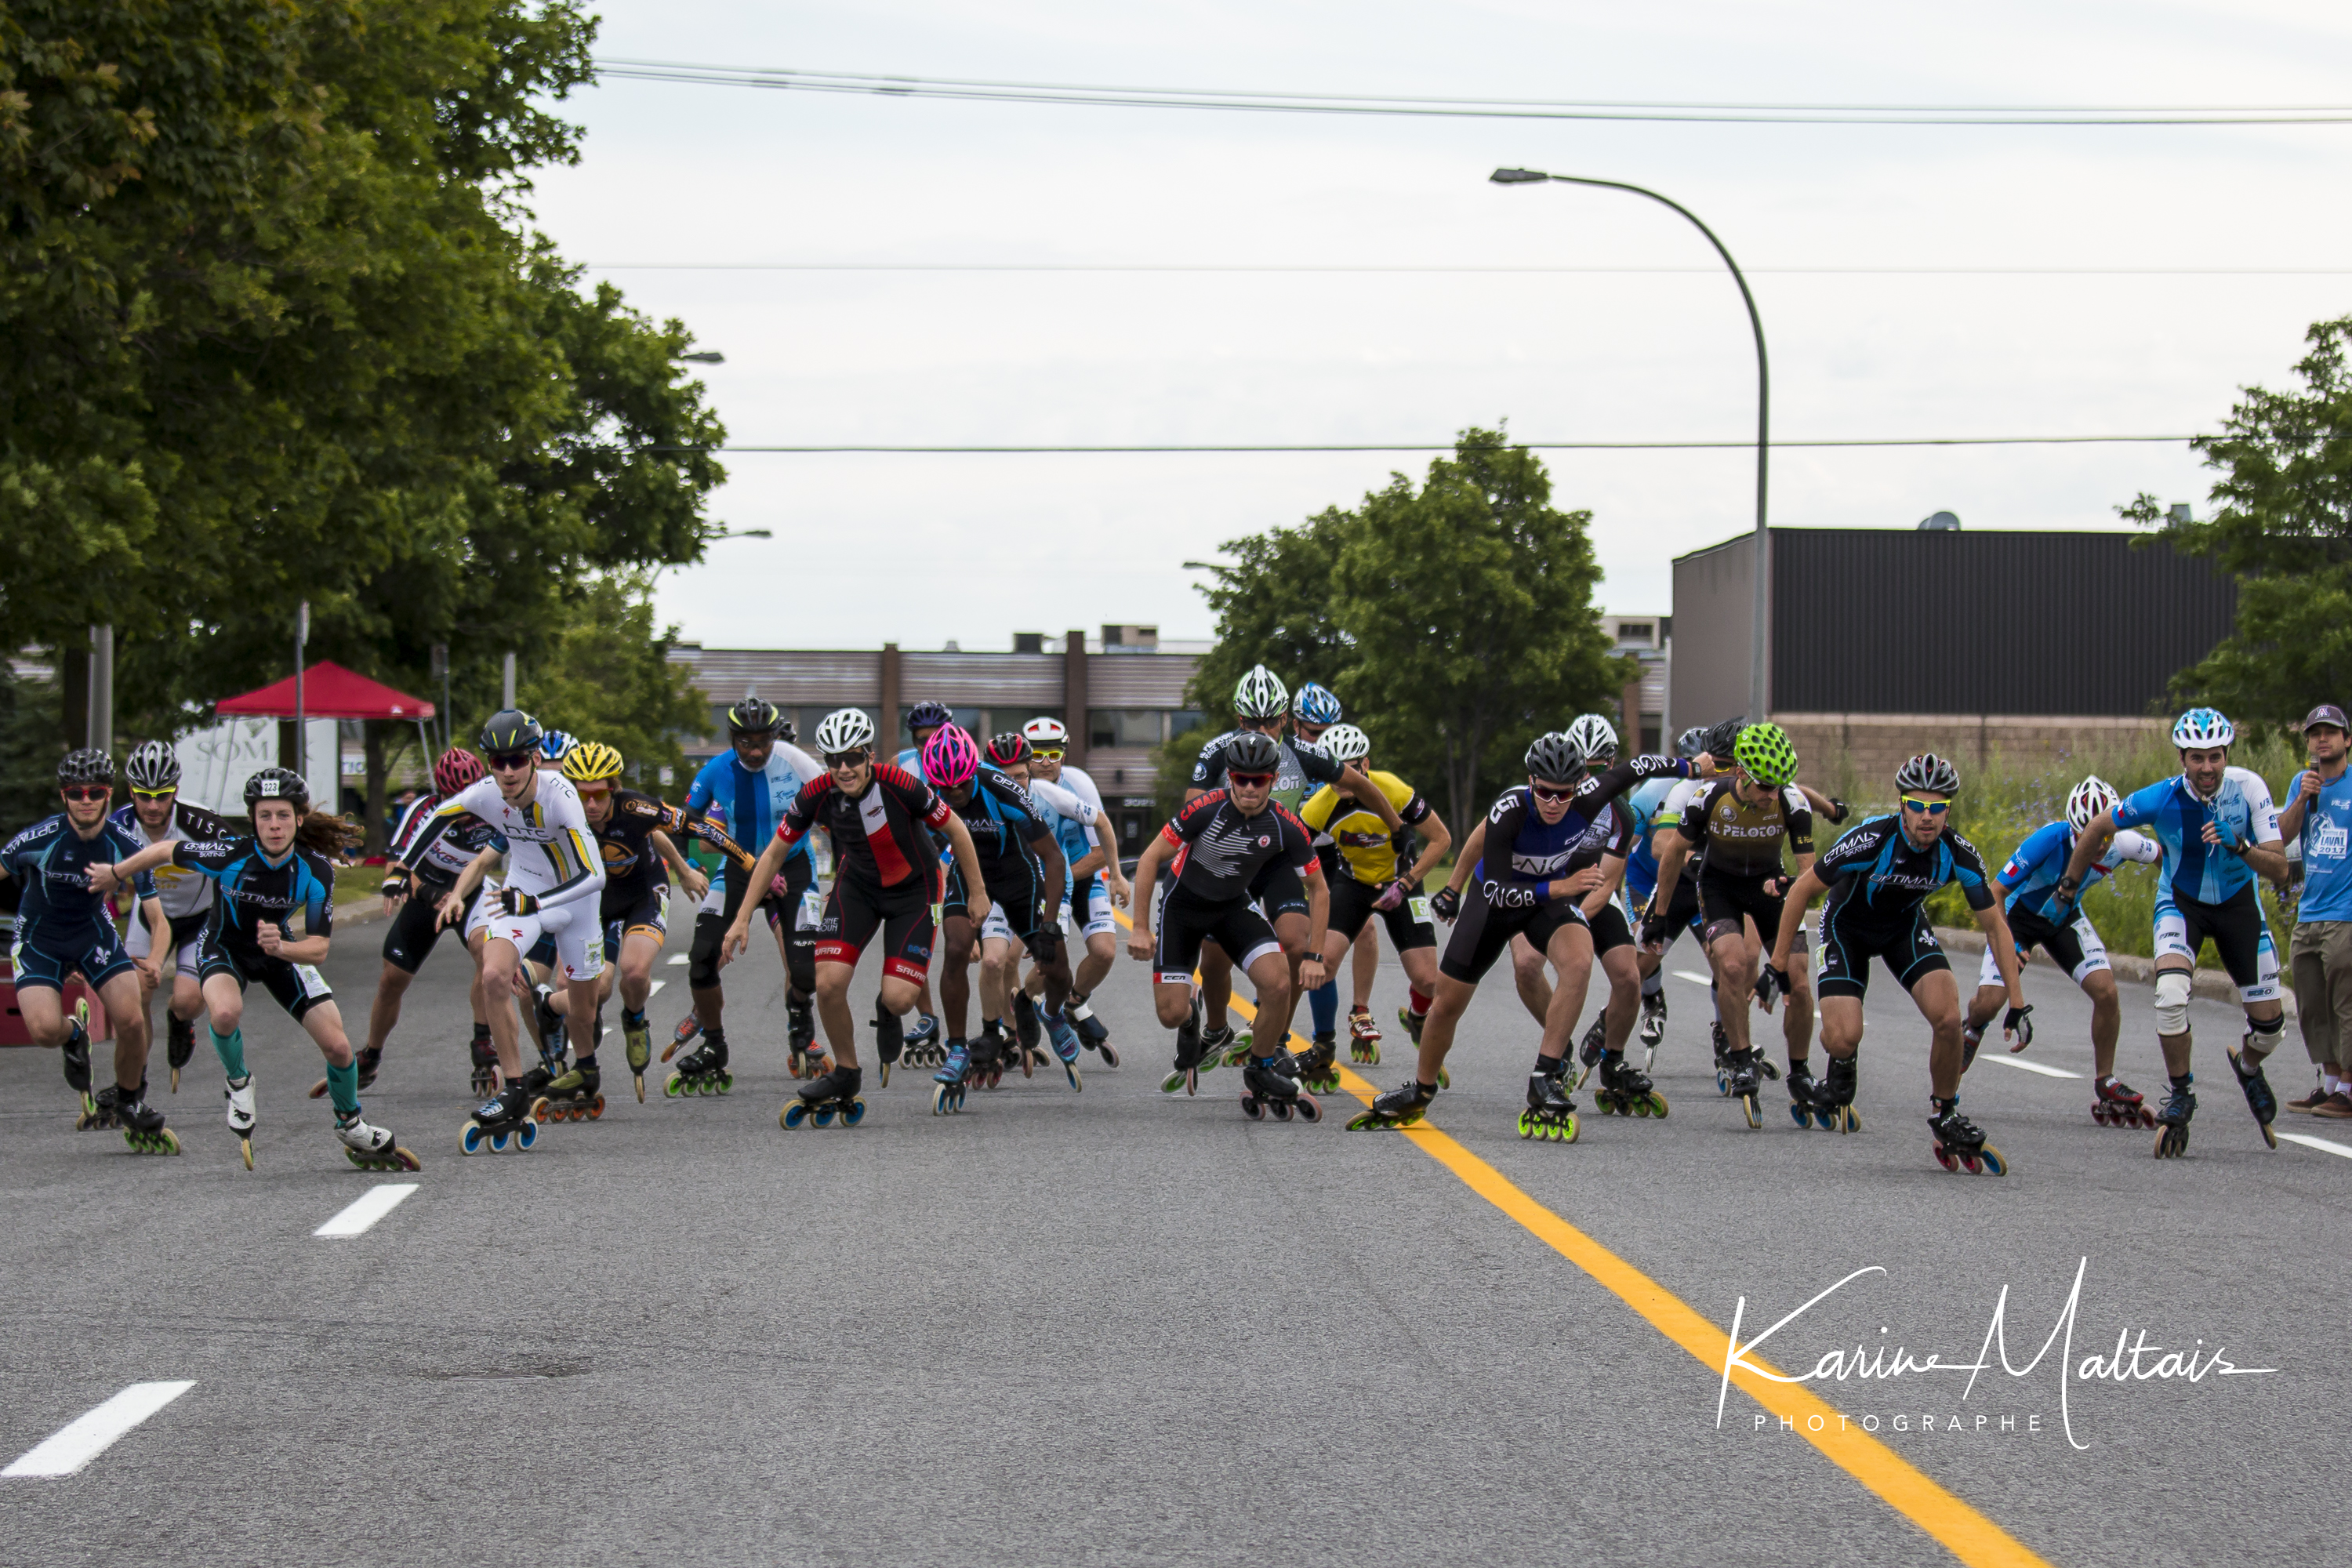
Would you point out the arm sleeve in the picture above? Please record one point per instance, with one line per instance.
(1503, 825)
(793, 823)
(1187, 825)
(705, 787)
(1065, 801)
(573, 850)
(1209, 767)
(2140, 806)
(1968, 871)
(1319, 765)
(1298, 843)
(1416, 809)
(806, 766)
(1081, 785)
(479, 797)
(1796, 814)
(2132, 845)
(1692, 825)
(210, 858)
(2262, 812)
(1852, 850)
(1633, 771)
(319, 912)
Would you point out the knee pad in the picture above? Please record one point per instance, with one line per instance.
(2172, 989)
(2267, 1028)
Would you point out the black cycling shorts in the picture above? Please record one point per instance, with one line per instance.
(1726, 900)
(710, 929)
(1186, 922)
(414, 928)
(855, 910)
(1016, 891)
(1351, 908)
(648, 912)
(1610, 930)
(2029, 931)
(297, 987)
(1847, 947)
(2240, 938)
(1279, 890)
(1483, 934)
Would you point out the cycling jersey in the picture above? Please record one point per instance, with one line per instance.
(50, 863)
(451, 850)
(1879, 878)
(255, 890)
(2174, 817)
(878, 836)
(1299, 767)
(1003, 823)
(1072, 820)
(549, 854)
(1524, 852)
(1742, 838)
(1365, 845)
(183, 892)
(2034, 868)
(1219, 852)
(1656, 804)
(632, 868)
(753, 803)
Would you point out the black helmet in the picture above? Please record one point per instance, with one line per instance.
(1723, 735)
(928, 716)
(1251, 752)
(278, 784)
(152, 765)
(511, 729)
(1556, 759)
(87, 766)
(752, 716)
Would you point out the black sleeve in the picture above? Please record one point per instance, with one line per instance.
(1319, 765)
(1969, 870)
(1298, 845)
(1853, 851)
(1209, 768)
(1609, 785)
(1692, 825)
(1796, 812)
(1417, 809)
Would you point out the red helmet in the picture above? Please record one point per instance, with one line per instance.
(949, 758)
(455, 768)
(1008, 749)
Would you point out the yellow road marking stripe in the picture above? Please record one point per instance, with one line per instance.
(1966, 1533)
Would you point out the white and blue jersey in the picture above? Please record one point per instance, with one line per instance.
(2326, 845)
(2172, 814)
(2034, 868)
(1658, 803)
(753, 803)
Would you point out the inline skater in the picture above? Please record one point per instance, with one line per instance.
(261, 881)
(1097, 889)
(2218, 831)
(1878, 876)
(154, 814)
(2026, 880)
(1520, 884)
(922, 1045)
(1366, 879)
(1218, 849)
(1743, 823)
(1657, 807)
(63, 925)
(1261, 705)
(554, 874)
(885, 880)
(412, 899)
(1314, 710)
(760, 773)
(1084, 834)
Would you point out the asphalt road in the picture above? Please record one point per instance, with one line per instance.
(1119, 1326)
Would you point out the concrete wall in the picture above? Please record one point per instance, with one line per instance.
(1873, 745)
(1714, 607)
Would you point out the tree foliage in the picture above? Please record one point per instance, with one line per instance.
(2282, 525)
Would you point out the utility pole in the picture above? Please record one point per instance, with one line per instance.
(101, 722)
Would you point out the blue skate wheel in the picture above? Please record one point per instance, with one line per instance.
(471, 1139)
(526, 1135)
(853, 1113)
(822, 1115)
(499, 1142)
(795, 1113)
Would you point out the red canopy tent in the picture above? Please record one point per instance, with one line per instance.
(329, 692)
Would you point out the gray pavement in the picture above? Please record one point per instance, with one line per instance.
(1117, 1326)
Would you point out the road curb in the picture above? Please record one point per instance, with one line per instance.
(2213, 984)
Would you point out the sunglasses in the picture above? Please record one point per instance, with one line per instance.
(1049, 753)
(844, 758)
(1546, 791)
(1927, 808)
(512, 762)
(1252, 781)
(154, 794)
(593, 791)
(86, 792)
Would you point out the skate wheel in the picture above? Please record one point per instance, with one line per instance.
(1172, 1082)
(822, 1114)
(245, 1146)
(1797, 1114)
(1748, 1108)
(2147, 1118)
(1944, 1158)
(526, 1136)
(1971, 1162)
(885, 1075)
(939, 1098)
(794, 1113)
(1658, 1106)
(1281, 1108)
(1078, 1084)
(1722, 1082)
(672, 1089)
(1364, 1120)
(469, 1140)
(853, 1113)
(1309, 1108)
(1993, 1164)
(318, 1090)
(1770, 1070)
(1527, 1128)
(595, 1107)
(1109, 1052)
(1251, 1107)
(2269, 1137)
(1851, 1118)
(1568, 1129)
(499, 1142)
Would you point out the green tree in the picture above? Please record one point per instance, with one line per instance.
(607, 676)
(2283, 528)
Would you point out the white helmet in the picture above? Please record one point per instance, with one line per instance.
(1595, 735)
(844, 729)
(1261, 695)
(1046, 732)
(2092, 796)
(2201, 727)
(1346, 743)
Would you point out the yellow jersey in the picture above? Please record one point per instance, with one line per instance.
(1365, 847)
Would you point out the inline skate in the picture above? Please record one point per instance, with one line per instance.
(800, 1023)
(1971, 1038)
(486, 1066)
(1267, 1086)
(179, 1044)
(2172, 1141)
(988, 1055)
(142, 1125)
(637, 1044)
(1722, 1059)
(507, 1117)
(1231, 1049)
(1413, 1022)
(682, 1035)
(553, 1038)
(1191, 1047)
(1589, 1050)
(1066, 1046)
(1833, 1098)
(947, 1099)
(1318, 1069)
(1960, 1142)
(2258, 1098)
(1802, 1096)
(1091, 1029)
(373, 1147)
(1625, 1089)
(702, 1071)
(834, 1094)
(1550, 1113)
(1363, 1038)
(75, 1051)
(922, 1046)
(889, 1042)
(575, 1096)
(241, 1116)
(1025, 1030)
(1654, 1021)
(1400, 1107)
(2115, 1104)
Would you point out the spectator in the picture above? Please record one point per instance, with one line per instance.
(2318, 817)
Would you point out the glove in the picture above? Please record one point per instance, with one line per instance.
(1839, 811)
(515, 901)
(1391, 896)
(1771, 984)
(1046, 943)
(1654, 930)
(1445, 903)
(2017, 1022)
(396, 881)
(778, 889)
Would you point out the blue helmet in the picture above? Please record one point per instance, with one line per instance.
(2202, 727)
(1314, 705)
(556, 745)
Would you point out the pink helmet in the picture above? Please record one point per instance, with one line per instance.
(949, 758)
(455, 768)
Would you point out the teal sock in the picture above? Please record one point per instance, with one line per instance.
(343, 1088)
(231, 1048)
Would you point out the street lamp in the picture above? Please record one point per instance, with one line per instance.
(1756, 682)
(1202, 566)
(701, 356)
(744, 534)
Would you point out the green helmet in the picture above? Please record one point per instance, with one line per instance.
(1764, 751)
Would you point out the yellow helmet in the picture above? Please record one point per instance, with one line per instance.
(590, 760)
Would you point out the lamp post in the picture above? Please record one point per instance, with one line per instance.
(1757, 693)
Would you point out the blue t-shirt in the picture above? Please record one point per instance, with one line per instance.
(2326, 844)
(2171, 813)
(753, 803)
(2035, 866)
(51, 865)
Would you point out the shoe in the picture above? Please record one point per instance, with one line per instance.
(2337, 1107)
(2310, 1103)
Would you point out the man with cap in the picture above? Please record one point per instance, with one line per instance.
(2318, 820)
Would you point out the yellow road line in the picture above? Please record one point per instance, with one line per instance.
(1966, 1533)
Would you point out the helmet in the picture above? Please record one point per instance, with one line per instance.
(589, 761)
(1346, 743)
(1314, 705)
(948, 757)
(453, 769)
(1260, 695)
(87, 766)
(2092, 796)
(1723, 735)
(1046, 732)
(278, 784)
(752, 716)
(1251, 752)
(929, 716)
(511, 730)
(1691, 742)
(1007, 750)
(556, 745)
(1556, 758)
(1930, 772)
(2202, 727)
(1595, 735)
(152, 765)
(1763, 750)
(843, 729)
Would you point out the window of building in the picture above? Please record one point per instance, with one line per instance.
(1123, 726)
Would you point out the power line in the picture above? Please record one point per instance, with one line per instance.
(1113, 96)
(1147, 267)
(970, 450)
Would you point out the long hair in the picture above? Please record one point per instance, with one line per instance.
(328, 835)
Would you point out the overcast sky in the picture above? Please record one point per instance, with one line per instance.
(921, 549)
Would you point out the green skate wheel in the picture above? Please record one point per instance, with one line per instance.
(1657, 1105)
(670, 1089)
(1172, 1082)
(1444, 1079)
(1527, 1128)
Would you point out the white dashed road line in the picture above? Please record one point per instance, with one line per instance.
(2022, 1064)
(679, 958)
(654, 989)
(378, 1202)
(2324, 1145)
(1695, 978)
(82, 1440)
